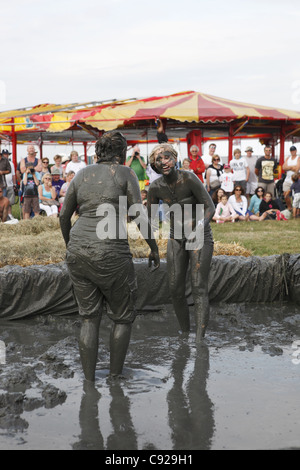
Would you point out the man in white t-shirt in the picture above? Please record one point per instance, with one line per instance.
(252, 180)
(240, 169)
(208, 158)
(75, 164)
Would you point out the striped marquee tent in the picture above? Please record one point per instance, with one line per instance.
(189, 116)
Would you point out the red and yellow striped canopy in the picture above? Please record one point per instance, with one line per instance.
(189, 106)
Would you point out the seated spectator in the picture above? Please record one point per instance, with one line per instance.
(213, 174)
(58, 165)
(240, 205)
(186, 165)
(47, 195)
(57, 181)
(224, 211)
(30, 185)
(295, 189)
(227, 180)
(65, 186)
(269, 209)
(256, 200)
(240, 168)
(75, 164)
(216, 196)
(45, 167)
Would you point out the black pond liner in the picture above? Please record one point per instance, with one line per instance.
(41, 290)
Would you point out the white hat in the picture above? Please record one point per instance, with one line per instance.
(249, 149)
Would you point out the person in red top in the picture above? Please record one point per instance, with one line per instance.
(196, 162)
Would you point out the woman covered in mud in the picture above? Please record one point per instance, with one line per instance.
(190, 239)
(98, 255)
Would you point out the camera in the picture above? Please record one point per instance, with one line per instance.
(32, 170)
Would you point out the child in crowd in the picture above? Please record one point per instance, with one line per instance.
(240, 168)
(186, 165)
(295, 188)
(227, 180)
(224, 211)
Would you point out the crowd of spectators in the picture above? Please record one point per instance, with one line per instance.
(38, 187)
(243, 189)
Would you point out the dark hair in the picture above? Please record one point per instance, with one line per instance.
(215, 195)
(112, 146)
(238, 186)
(259, 187)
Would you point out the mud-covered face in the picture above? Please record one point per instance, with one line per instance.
(165, 162)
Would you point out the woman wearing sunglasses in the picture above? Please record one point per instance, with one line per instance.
(240, 205)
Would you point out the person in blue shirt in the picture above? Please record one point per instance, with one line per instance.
(256, 200)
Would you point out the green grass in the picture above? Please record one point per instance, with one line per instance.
(266, 238)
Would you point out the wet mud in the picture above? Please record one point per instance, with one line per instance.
(238, 390)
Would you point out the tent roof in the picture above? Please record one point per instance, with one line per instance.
(136, 117)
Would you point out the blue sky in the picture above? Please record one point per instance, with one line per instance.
(75, 51)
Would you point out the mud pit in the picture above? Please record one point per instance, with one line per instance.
(239, 390)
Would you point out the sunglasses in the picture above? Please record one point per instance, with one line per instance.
(238, 189)
(216, 160)
(45, 161)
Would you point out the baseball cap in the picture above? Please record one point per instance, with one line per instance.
(293, 148)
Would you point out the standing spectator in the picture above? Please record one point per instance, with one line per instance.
(30, 160)
(65, 186)
(11, 183)
(186, 164)
(4, 205)
(58, 165)
(290, 166)
(240, 169)
(264, 169)
(5, 169)
(197, 165)
(208, 158)
(75, 164)
(30, 192)
(252, 180)
(213, 174)
(295, 188)
(45, 167)
(227, 179)
(57, 181)
(256, 200)
(138, 165)
(240, 204)
(47, 195)
(64, 161)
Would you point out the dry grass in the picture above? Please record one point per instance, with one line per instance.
(39, 241)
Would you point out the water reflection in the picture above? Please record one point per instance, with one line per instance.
(123, 435)
(190, 409)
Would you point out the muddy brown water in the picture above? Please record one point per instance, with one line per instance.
(238, 390)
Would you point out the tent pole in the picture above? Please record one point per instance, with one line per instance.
(14, 144)
(282, 142)
(85, 152)
(230, 142)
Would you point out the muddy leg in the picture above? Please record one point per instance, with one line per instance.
(119, 342)
(88, 346)
(177, 263)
